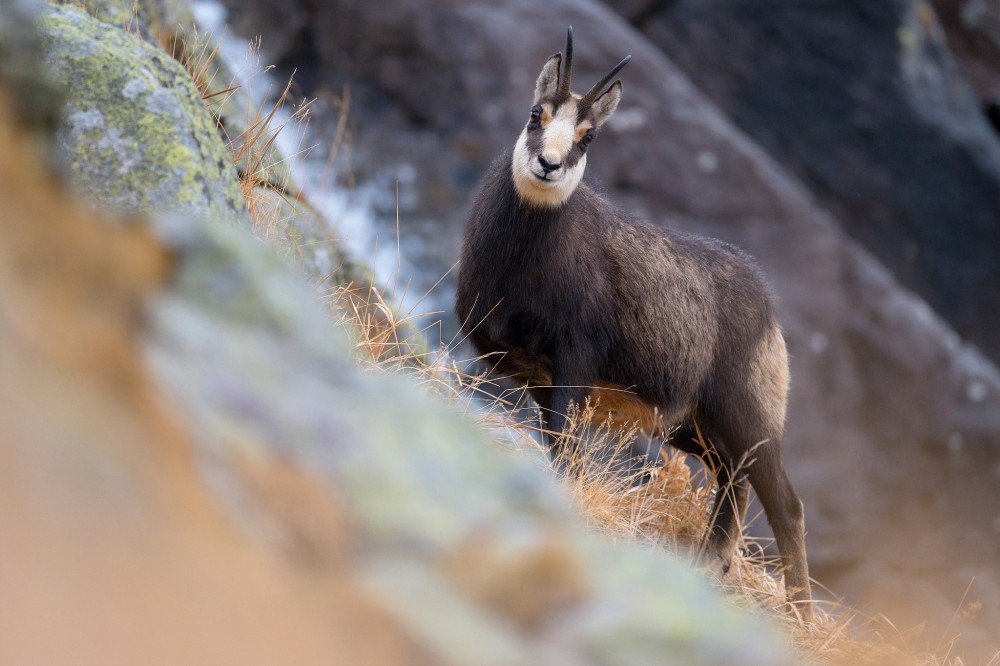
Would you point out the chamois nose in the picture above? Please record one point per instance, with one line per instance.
(547, 166)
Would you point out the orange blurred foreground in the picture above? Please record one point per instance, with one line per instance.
(113, 550)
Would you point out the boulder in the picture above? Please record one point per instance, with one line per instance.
(158, 21)
(893, 437)
(867, 106)
(135, 134)
(117, 551)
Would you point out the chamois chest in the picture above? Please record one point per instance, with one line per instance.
(528, 279)
(531, 299)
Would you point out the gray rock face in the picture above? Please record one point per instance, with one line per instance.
(894, 425)
(864, 102)
(135, 135)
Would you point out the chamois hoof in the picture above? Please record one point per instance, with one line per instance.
(801, 610)
(715, 565)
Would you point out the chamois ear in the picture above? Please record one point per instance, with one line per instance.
(607, 103)
(548, 80)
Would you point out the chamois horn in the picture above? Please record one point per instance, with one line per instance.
(591, 97)
(568, 67)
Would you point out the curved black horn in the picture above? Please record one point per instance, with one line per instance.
(591, 97)
(568, 66)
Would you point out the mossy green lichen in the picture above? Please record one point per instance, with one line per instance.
(135, 136)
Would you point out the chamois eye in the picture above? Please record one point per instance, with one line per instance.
(536, 114)
(587, 138)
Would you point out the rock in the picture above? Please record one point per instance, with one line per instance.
(278, 38)
(868, 107)
(893, 435)
(118, 552)
(135, 136)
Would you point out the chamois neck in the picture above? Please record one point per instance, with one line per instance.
(526, 213)
(544, 194)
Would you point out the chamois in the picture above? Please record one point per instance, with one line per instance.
(561, 290)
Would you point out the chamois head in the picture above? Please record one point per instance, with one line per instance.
(551, 153)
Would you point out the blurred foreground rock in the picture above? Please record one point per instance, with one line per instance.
(894, 424)
(192, 470)
(114, 550)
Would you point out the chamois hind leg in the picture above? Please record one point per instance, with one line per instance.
(728, 510)
(731, 496)
(785, 515)
(765, 471)
(751, 422)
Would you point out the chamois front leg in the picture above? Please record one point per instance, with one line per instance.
(572, 382)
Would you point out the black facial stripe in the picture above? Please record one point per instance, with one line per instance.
(534, 142)
(576, 153)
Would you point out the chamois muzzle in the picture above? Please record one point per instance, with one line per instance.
(547, 167)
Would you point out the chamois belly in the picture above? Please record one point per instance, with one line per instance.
(615, 406)
(617, 401)
(621, 408)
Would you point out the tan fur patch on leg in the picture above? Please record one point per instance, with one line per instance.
(769, 377)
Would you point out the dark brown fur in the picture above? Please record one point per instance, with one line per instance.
(583, 300)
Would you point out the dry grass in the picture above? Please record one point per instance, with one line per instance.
(272, 198)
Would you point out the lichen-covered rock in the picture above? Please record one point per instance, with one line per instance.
(135, 134)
